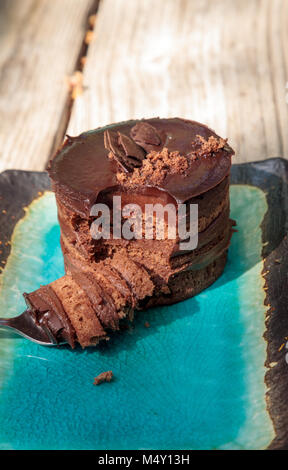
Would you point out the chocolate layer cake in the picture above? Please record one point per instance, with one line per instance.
(153, 161)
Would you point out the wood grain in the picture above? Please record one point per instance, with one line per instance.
(40, 43)
(221, 62)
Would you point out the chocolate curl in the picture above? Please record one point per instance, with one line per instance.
(124, 150)
(148, 137)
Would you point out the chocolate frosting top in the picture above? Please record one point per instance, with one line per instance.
(81, 169)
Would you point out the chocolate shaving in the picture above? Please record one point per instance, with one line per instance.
(144, 133)
(124, 150)
(130, 148)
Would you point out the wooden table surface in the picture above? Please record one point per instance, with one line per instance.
(70, 65)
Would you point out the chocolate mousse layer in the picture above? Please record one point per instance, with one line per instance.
(154, 161)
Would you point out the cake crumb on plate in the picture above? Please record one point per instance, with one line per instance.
(103, 377)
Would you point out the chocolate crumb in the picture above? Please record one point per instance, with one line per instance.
(155, 167)
(147, 324)
(160, 163)
(203, 148)
(103, 377)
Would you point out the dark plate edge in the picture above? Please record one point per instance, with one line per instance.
(272, 177)
(16, 194)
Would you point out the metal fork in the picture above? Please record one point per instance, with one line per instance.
(26, 326)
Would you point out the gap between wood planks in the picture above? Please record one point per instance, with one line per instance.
(75, 81)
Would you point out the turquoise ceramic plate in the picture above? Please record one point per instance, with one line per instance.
(193, 380)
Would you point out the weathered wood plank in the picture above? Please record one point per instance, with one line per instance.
(40, 43)
(221, 62)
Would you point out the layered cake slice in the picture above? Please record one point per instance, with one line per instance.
(143, 165)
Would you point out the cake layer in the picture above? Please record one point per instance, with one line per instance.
(135, 274)
(100, 300)
(213, 211)
(189, 283)
(110, 296)
(79, 310)
(161, 258)
(126, 281)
